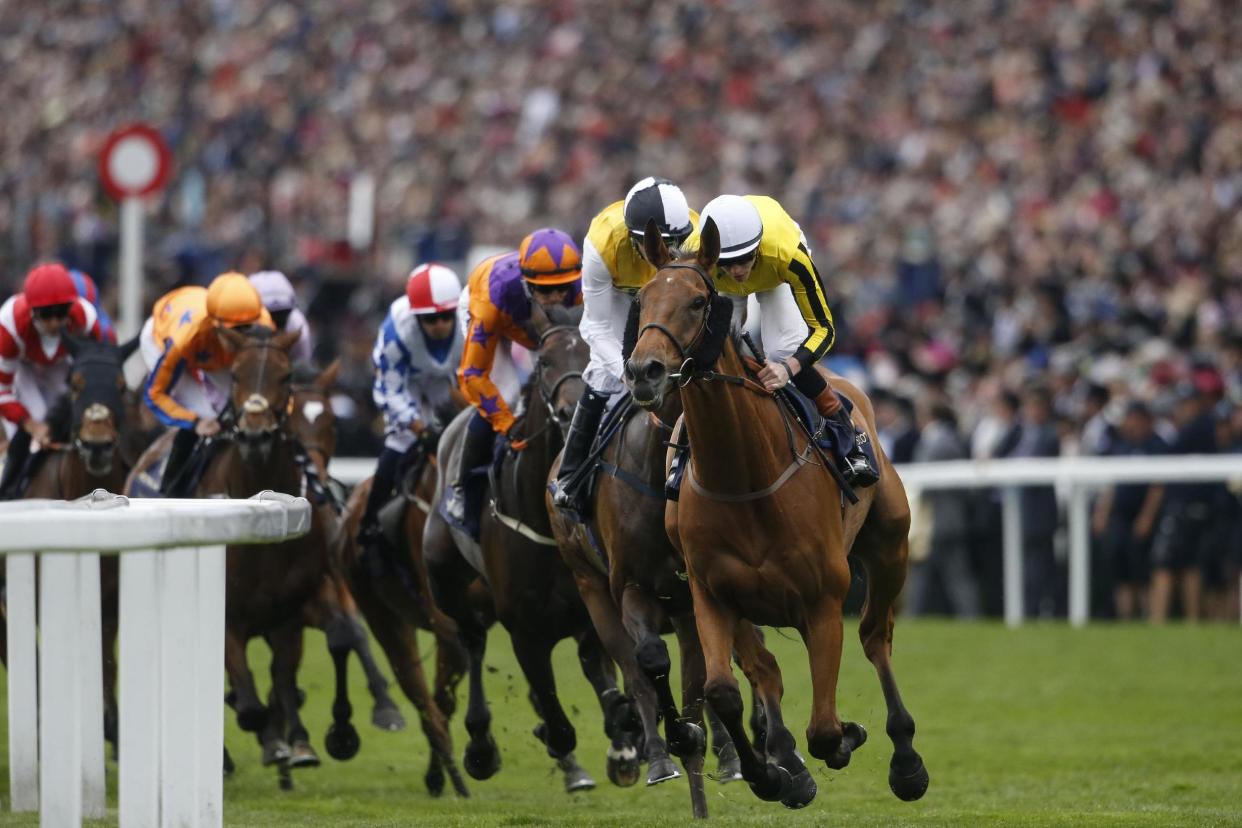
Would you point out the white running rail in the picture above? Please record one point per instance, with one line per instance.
(171, 661)
(1074, 477)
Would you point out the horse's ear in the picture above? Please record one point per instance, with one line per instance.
(77, 381)
(540, 322)
(327, 378)
(231, 340)
(653, 245)
(286, 339)
(709, 246)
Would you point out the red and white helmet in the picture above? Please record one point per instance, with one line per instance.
(432, 288)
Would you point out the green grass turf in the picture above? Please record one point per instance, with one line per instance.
(1110, 725)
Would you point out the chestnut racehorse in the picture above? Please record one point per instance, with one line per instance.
(765, 532)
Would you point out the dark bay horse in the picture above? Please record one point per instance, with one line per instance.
(633, 583)
(533, 594)
(268, 586)
(391, 615)
(765, 539)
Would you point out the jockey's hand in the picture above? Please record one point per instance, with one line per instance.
(775, 375)
(39, 432)
(207, 427)
(418, 427)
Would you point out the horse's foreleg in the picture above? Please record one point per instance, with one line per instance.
(716, 632)
(534, 655)
(251, 714)
(619, 710)
(692, 678)
(341, 740)
(286, 644)
(642, 617)
(907, 775)
(108, 633)
(798, 787)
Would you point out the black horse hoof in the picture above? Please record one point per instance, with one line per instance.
(387, 717)
(275, 752)
(342, 741)
(686, 739)
(482, 759)
(434, 779)
(728, 765)
(799, 790)
(252, 719)
(774, 781)
(909, 784)
(852, 739)
(623, 765)
(660, 770)
(286, 783)
(229, 767)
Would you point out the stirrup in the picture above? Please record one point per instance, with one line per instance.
(455, 503)
(563, 497)
(858, 471)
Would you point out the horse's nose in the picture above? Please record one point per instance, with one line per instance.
(651, 370)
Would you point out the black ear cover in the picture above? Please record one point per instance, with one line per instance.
(718, 321)
(631, 331)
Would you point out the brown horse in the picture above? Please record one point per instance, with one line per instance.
(632, 581)
(390, 613)
(533, 594)
(765, 538)
(268, 586)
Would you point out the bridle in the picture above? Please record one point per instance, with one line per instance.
(256, 403)
(548, 395)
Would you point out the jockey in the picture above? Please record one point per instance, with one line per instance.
(415, 356)
(764, 252)
(35, 360)
(188, 381)
(614, 268)
(547, 269)
(282, 303)
(86, 288)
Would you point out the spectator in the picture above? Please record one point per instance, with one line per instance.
(898, 432)
(1125, 515)
(1039, 507)
(946, 568)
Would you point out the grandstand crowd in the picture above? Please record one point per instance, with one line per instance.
(1026, 213)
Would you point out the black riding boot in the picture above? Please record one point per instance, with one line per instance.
(566, 491)
(172, 483)
(14, 462)
(381, 490)
(857, 457)
(476, 451)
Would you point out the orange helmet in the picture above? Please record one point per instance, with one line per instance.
(233, 301)
(550, 257)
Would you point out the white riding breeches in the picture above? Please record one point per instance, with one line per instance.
(37, 387)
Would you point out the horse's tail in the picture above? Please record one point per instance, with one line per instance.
(128, 347)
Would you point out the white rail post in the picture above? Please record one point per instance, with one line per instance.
(1011, 527)
(1079, 556)
(210, 650)
(178, 689)
(23, 683)
(138, 793)
(60, 711)
(90, 658)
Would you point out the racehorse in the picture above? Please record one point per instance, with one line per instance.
(268, 586)
(533, 594)
(765, 539)
(632, 582)
(389, 612)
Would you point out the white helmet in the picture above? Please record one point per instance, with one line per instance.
(738, 222)
(275, 290)
(432, 288)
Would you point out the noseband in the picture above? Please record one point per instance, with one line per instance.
(548, 395)
(256, 403)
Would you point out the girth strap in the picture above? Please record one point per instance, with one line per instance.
(521, 528)
(798, 462)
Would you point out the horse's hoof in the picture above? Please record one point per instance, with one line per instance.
(275, 753)
(342, 741)
(482, 759)
(660, 770)
(387, 717)
(799, 790)
(576, 777)
(286, 783)
(686, 739)
(303, 756)
(623, 765)
(910, 784)
(775, 779)
(853, 737)
(434, 779)
(252, 719)
(728, 765)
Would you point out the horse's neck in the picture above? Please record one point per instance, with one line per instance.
(521, 482)
(280, 472)
(642, 444)
(737, 437)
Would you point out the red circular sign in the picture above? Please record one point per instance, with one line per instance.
(134, 162)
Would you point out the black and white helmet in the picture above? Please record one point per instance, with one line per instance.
(662, 200)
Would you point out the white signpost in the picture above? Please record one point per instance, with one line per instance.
(135, 163)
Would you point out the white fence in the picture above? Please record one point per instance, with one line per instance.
(171, 661)
(1075, 477)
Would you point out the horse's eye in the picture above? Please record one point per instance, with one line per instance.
(699, 303)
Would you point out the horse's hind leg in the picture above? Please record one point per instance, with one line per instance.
(716, 627)
(600, 671)
(534, 655)
(886, 573)
(251, 714)
(286, 644)
(341, 740)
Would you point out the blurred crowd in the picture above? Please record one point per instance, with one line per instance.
(1034, 198)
